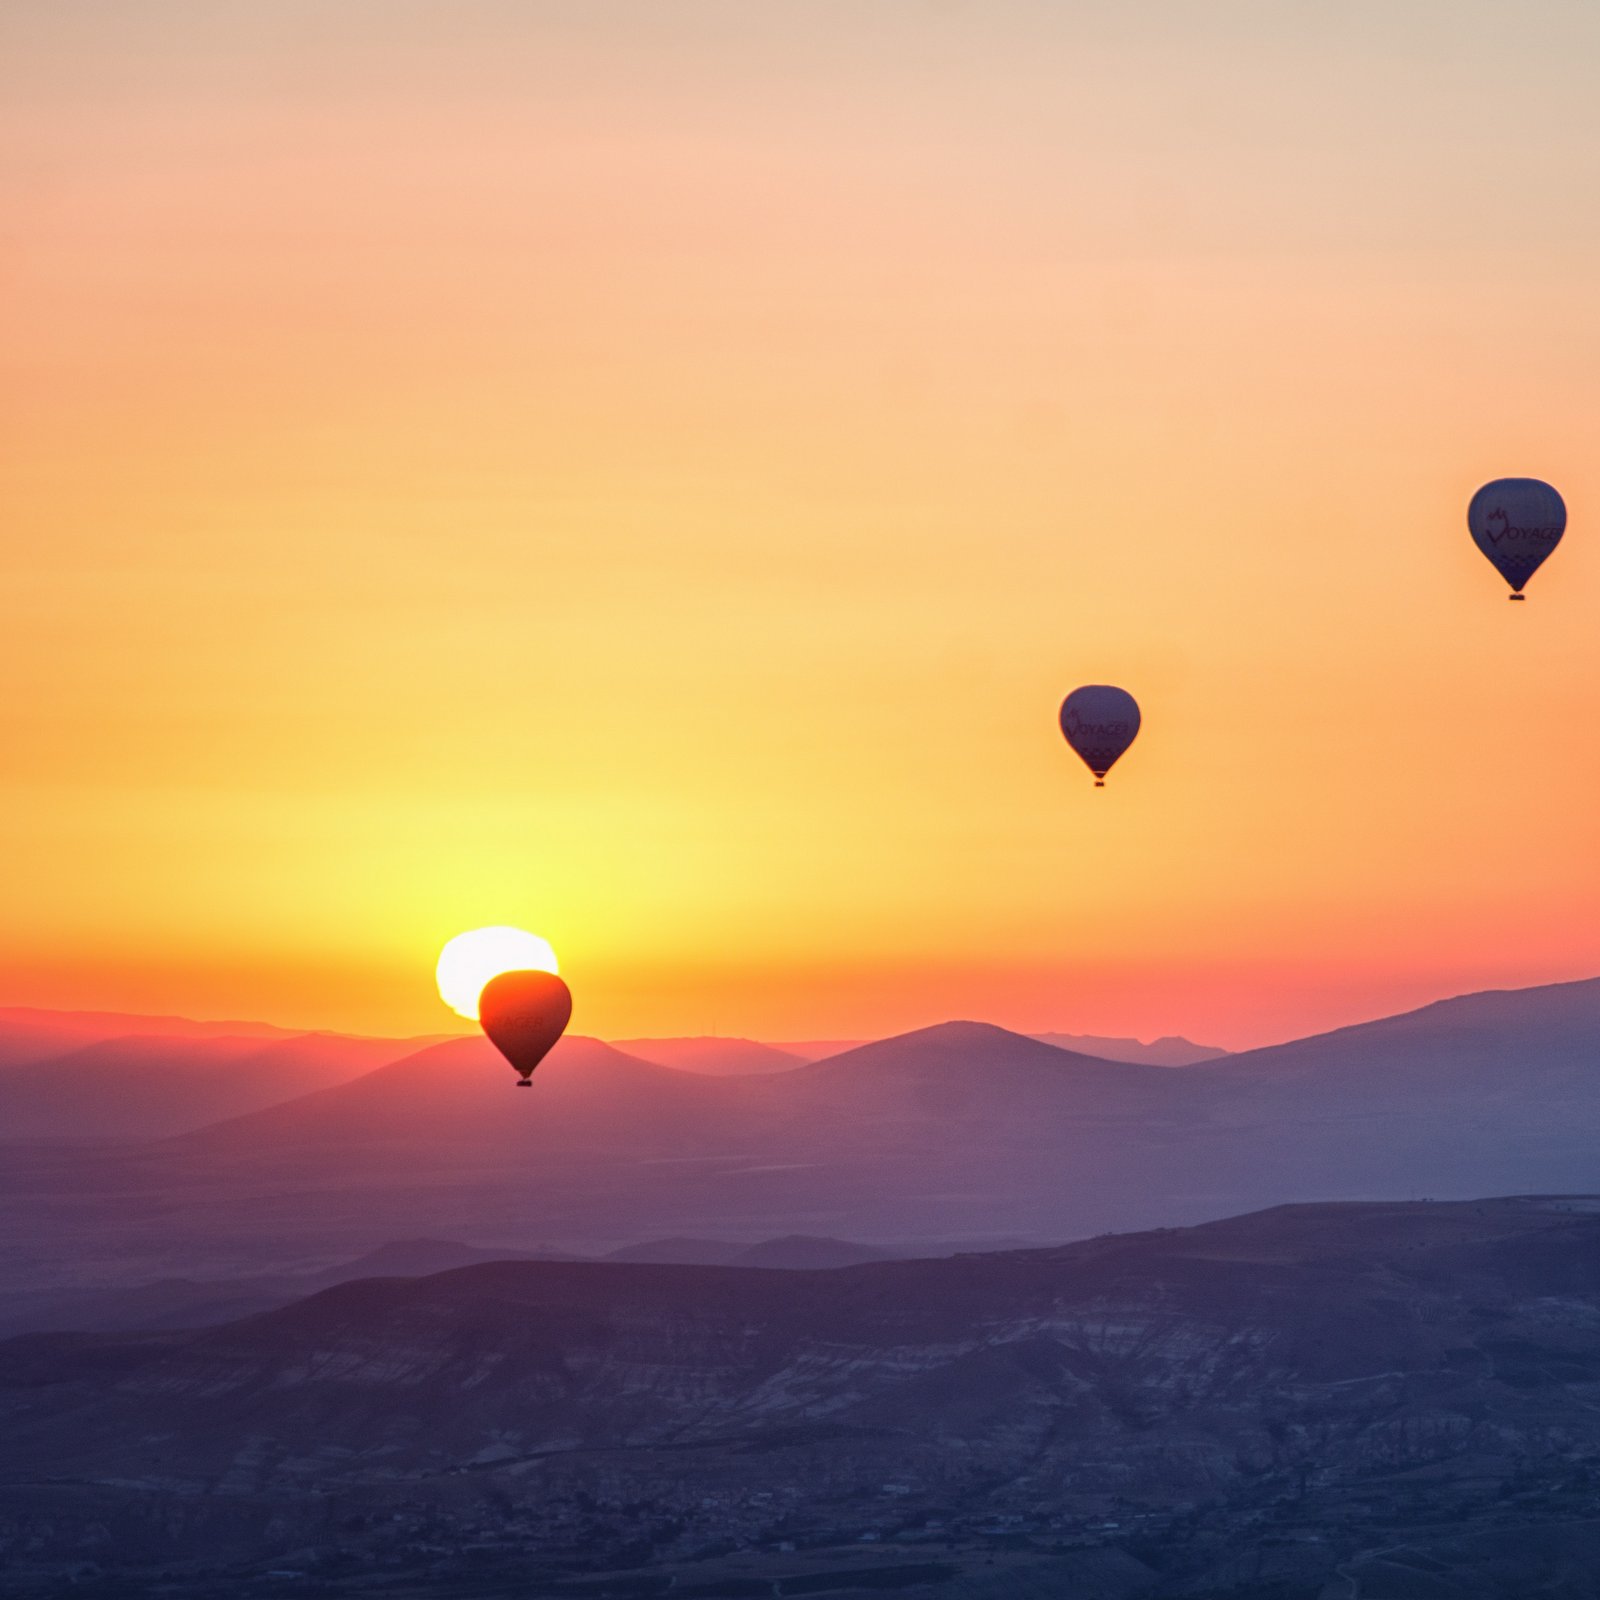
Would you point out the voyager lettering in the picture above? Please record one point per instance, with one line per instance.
(1547, 535)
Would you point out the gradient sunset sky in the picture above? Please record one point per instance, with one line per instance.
(649, 473)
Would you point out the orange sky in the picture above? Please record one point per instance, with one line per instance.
(649, 473)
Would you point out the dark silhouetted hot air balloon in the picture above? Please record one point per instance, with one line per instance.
(524, 1013)
(1099, 722)
(1517, 522)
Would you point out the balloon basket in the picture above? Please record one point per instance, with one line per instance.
(1517, 597)
(1099, 783)
(524, 1083)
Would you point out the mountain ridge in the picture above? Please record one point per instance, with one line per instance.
(963, 1131)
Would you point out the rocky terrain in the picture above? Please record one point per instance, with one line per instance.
(1380, 1400)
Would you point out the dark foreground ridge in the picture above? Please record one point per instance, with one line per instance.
(1319, 1400)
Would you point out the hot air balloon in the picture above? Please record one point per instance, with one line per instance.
(1099, 722)
(1516, 522)
(524, 1013)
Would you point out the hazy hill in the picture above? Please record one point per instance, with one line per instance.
(1499, 1042)
(589, 1096)
(800, 1252)
(1493, 1092)
(199, 1303)
(677, 1252)
(816, 1049)
(146, 1085)
(418, 1258)
(1172, 1050)
(975, 1068)
(32, 1032)
(960, 1134)
(955, 1135)
(797, 1251)
(170, 1303)
(1358, 1378)
(717, 1056)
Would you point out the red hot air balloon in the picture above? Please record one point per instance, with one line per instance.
(1099, 722)
(524, 1013)
(1516, 523)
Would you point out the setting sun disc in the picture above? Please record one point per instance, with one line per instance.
(471, 959)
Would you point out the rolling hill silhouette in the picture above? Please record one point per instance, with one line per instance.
(1493, 1042)
(179, 1303)
(717, 1056)
(146, 1085)
(1172, 1050)
(454, 1094)
(962, 1132)
(732, 1057)
(796, 1252)
(26, 1028)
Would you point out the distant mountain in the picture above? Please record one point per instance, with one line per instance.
(164, 1304)
(198, 1303)
(146, 1085)
(171, 1303)
(461, 1095)
(64, 1030)
(981, 1063)
(816, 1049)
(677, 1252)
(417, 1258)
(797, 1251)
(1491, 1092)
(1275, 1404)
(717, 1056)
(954, 1135)
(1499, 1042)
(1172, 1050)
(801, 1253)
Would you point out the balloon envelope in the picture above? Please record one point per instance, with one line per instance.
(524, 1013)
(1099, 722)
(1516, 522)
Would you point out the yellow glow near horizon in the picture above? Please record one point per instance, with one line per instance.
(665, 466)
(471, 959)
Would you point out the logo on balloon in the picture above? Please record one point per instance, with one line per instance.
(1095, 730)
(1497, 526)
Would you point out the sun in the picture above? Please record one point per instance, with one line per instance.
(470, 960)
